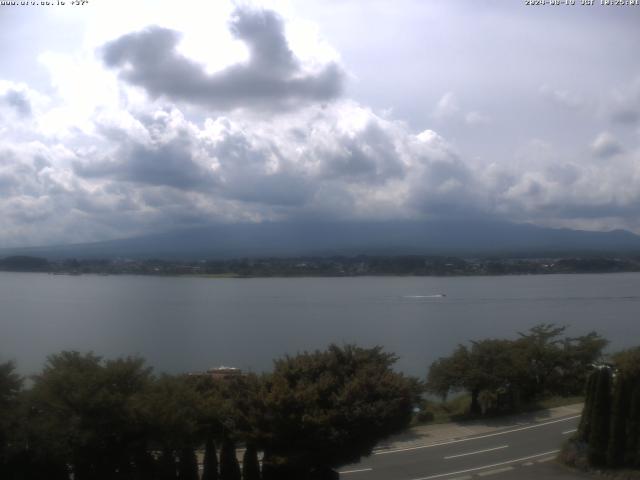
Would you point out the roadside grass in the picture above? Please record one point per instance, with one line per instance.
(443, 412)
(555, 401)
(457, 409)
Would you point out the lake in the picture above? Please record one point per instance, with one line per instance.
(184, 324)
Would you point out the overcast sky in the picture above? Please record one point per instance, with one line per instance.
(119, 118)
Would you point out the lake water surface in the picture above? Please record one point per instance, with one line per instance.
(186, 324)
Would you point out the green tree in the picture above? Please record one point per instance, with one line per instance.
(495, 369)
(541, 350)
(243, 405)
(500, 373)
(169, 412)
(250, 465)
(447, 374)
(329, 408)
(167, 467)
(229, 467)
(80, 410)
(146, 466)
(490, 366)
(10, 388)
(210, 467)
(584, 429)
(619, 418)
(578, 355)
(632, 446)
(627, 363)
(188, 464)
(600, 418)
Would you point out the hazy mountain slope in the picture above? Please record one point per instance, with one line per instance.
(331, 238)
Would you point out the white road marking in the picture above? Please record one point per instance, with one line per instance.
(567, 432)
(386, 452)
(478, 451)
(515, 460)
(546, 459)
(493, 472)
(356, 471)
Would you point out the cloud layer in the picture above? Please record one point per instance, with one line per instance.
(136, 137)
(272, 78)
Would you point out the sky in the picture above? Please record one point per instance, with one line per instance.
(121, 118)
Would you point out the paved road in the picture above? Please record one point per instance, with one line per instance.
(523, 451)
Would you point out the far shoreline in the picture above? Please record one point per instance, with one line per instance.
(307, 276)
(328, 267)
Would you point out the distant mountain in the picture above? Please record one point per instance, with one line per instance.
(286, 239)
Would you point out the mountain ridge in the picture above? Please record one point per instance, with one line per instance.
(399, 237)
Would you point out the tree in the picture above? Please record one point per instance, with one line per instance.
(610, 423)
(577, 357)
(269, 467)
(10, 387)
(499, 373)
(600, 418)
(627, 363)
(619, 417)
(169, 411)
(229, 467)
(329, 408)
(447, 374)
(541, 350)
(145, 463)
(489, 366)
(188, 464)
(632, 446)
(80, 412)
(250, 465)
(210, 467)
(242, 404)
(584, 429)
(167, 468)
(495, 368)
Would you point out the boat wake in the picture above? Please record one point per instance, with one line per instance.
(435, 295)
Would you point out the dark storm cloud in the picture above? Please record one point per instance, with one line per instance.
(244, 174)
(21, 174)
(585, 210)
(169, 164)
(447, 188)
(18, 101)
(271, 79)
(242, 171)
(369, 156)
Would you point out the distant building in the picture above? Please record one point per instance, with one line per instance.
(220, 373)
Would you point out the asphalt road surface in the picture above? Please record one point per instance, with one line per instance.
(525, 451)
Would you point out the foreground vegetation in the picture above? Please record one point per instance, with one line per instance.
(502, 375)
(115, 419)
(609, 432)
